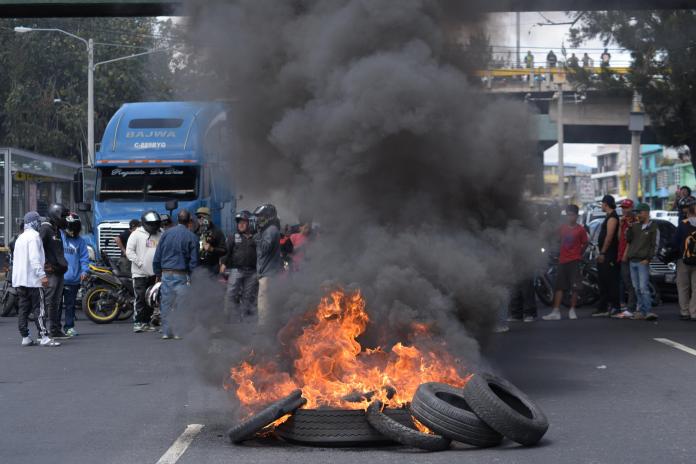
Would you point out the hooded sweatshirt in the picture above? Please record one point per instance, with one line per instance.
(75, 250)
(28, 260)
(140, 250)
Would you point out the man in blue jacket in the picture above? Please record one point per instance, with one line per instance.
(75, 251)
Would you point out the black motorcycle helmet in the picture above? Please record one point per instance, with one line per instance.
(151, 222)
(57, 215)
(265, 214)
(687, 202)
(243, 215)
(74, 225)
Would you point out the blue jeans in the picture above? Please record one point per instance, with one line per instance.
(640, 278)
(69, 297)
(173, 287)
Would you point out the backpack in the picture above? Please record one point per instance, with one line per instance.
(689, 256)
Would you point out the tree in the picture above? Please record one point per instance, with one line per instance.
(43, 83)
(663, 69)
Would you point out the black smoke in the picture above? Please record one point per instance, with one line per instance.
(362, 113)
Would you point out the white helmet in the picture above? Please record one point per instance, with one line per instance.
(152, 295)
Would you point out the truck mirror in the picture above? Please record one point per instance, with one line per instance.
(171, 205)
(84, 207)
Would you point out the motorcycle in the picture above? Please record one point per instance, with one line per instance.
(107, 293)
(588, 293)
(8, 298)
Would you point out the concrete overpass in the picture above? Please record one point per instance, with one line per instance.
(75, 8)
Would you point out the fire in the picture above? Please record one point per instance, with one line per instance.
(333, 369)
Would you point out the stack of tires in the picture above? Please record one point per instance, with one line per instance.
(486, 410)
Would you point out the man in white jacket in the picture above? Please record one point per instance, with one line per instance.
(140, 250)
(29, 278)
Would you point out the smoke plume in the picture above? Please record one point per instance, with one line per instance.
(360, 113)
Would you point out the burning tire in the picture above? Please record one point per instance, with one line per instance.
(443, 409)
(505, 408)
(249, 427)
(402, 434)
(337, 427)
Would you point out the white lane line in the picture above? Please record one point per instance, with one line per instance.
(676, 345)
(181, 444)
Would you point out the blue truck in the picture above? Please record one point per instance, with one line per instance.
(154, 152)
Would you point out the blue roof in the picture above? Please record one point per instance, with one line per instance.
(645, 149)
(170, 131)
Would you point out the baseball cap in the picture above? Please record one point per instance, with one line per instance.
(627, 203)
(643, 207)
(31, 216)
(609, 200)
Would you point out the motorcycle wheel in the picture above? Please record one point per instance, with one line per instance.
(125, 314)
(544, 291)
(100, 306)
(9, 305)
(589, 293)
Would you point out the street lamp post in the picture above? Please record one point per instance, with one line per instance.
(636, 123)
(91, 66)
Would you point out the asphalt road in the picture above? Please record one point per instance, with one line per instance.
(611, 392)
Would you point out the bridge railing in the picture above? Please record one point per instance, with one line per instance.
(539, 78)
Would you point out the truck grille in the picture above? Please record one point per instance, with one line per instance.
(106, 235)
(659, 268)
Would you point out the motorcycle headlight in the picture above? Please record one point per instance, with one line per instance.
(91, 253)
(672, 266)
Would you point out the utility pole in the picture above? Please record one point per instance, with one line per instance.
(559, 126)
(636, 123)
(517, 48)
(90, 102)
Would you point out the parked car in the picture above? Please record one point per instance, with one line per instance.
(671, 216)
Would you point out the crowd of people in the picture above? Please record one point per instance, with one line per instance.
(50, 260)
(627, 243)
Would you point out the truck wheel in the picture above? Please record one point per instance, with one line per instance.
(100, 306)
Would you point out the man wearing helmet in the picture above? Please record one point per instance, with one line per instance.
(212, 240)
(77, 257)
(240, 260)
(268, 262)
(56, 265)
(140, 250)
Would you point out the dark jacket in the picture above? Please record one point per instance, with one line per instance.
(216, 238)
(268, 251)
(642, 241)
(241, 252)
(53, 249)
(683, 231)
(177, 250)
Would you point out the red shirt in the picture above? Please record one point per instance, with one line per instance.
(573, 241)
(623, 227)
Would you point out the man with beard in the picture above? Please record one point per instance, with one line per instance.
(607, 264)
(140, 250)
(56, 265)
(212, 241)
(268, 263)
(242, 283)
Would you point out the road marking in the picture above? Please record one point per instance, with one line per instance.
(676, 345)
(181, 444)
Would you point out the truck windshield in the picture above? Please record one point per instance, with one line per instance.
(147, 183)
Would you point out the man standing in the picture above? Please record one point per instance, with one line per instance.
(175, 257)
(56, 265)
(28, 277)
(529, 60)
(140, 250)
(242, 283)
(77, 258)
(573, 243)
(686, 264)
(682, 192)
(643, 239)
(212, 241)
(625, 223)
(606, 57)
(268, 262)
(607, 265)
(121, 240)
(585, 60)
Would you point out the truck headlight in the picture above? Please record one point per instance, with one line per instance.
(91, 253)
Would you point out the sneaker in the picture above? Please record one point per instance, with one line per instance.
(148, 328)
(176, 337)
(685, 317)
(514, 319)
(71, 332)
(639, 316)
(27, 341)
(572, 314)
(615, 311)
(498, 329)
(137, 327)
(166, 337)
(59, 334)
(623, 315)
(651, 317)
(530, 318)
(554, 315)
(600, 313)
(47, 341)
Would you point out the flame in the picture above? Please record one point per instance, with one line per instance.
(422, 428)
(332, 369)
